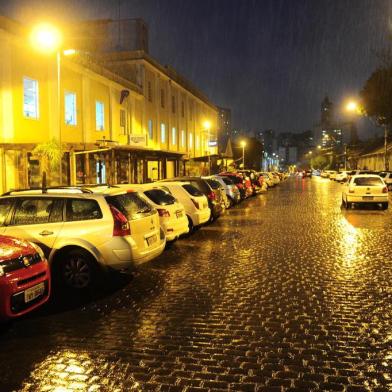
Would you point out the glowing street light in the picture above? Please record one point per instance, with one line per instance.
(319, 147)
(243, 144)
(46, 38)
(353, 107)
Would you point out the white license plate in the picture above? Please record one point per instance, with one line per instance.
(152, 239)
(367, 197)
(179, 214)
(34, 292)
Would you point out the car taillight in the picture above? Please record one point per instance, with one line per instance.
(121, 225)
(385, 190)
(163, 212)
(240, 186)
(212, 195)
(195, 203)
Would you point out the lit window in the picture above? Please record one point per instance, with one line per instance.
(174, 134)
(99, 116)
(190, 140)
(182, 138)
(30, 98)
(150, 134)
(163, 133)
(70, 108)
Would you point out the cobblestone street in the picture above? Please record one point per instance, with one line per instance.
(286, 291)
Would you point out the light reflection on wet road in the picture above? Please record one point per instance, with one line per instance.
(285, 292)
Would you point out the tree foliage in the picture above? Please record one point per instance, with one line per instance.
(377, 96)
(319, 162)
(50, 154)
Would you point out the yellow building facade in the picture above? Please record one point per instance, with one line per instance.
(134, 123)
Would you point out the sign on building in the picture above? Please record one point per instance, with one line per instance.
(137, 140)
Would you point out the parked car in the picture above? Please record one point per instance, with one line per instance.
(204, 187)
(332, 174)
(267, 179)
(238, 180)
(84, 231)
(24, 275)
(193, 200)
(232, 191)
(307, 174)
(365, 188)
(172, 216)
(219, 190)
(387, 177)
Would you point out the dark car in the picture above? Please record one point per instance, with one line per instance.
(204, 187)
(307, 173)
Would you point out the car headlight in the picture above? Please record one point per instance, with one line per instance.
(39, 250)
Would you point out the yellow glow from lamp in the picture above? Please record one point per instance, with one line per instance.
(352, 106)
(243, 143)
(46, 37)
(207, 125)
(319, 147)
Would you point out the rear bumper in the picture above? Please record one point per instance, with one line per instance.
(201, 217)
(175, 227)
(360, 199)
(13, 286)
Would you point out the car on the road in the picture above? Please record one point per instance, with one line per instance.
(342, 176)
(193, 200)
(307, 174)
(24, 276)
(172, 216)
(85, 231)
(365, 188)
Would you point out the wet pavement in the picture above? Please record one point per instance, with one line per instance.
(286, 291)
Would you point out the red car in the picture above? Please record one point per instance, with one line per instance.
(24, 277)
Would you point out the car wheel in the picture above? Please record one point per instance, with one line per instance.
(348, 205)
(190, 224)
(77, 270)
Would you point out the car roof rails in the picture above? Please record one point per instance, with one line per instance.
(45, 190)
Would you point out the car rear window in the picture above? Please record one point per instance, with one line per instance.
(193, 191)
(130, 204)
(160, 197)
(227, 181)
(368, 181)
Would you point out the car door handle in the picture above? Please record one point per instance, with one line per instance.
(46, 232)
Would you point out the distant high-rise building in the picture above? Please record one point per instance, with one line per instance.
(327, 114)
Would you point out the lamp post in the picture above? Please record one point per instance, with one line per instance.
(48, 39)
(207, 127)
(243, 144)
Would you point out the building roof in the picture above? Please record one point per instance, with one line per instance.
(119, 60)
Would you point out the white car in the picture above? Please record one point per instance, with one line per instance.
(84, 231)
(342, 176)
(172, 216)
(194, 202)
(365, 188)
(387, 177)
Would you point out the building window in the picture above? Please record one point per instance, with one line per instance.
(70, 108)
(174, 134)
(182, 138)
(191, 140)
(162, 98)
(173, 104)
(149, 91)
(182, 109)
(197, 142)
(30, 98)
(163, 133)
(99, 116)
(150, 134)
(123, 121)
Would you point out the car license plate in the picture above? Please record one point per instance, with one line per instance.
(367, 197)
(152, 239)
(34, 292)
(179, 214)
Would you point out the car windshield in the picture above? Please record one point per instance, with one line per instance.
(160, 197)
(368, 181)
(130, 204)
(214, 184)
(192, 190)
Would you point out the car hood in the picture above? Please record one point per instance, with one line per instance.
(11, 248)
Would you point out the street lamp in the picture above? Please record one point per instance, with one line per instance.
(47, 38)
(243, 144)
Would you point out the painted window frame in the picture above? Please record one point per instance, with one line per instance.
(75, 113)
(36, 99)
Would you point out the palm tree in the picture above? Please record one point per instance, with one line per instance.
(50, 155)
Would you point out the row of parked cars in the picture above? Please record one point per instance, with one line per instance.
(345, 175)
(80, 232)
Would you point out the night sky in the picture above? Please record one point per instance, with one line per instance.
(270, 61)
